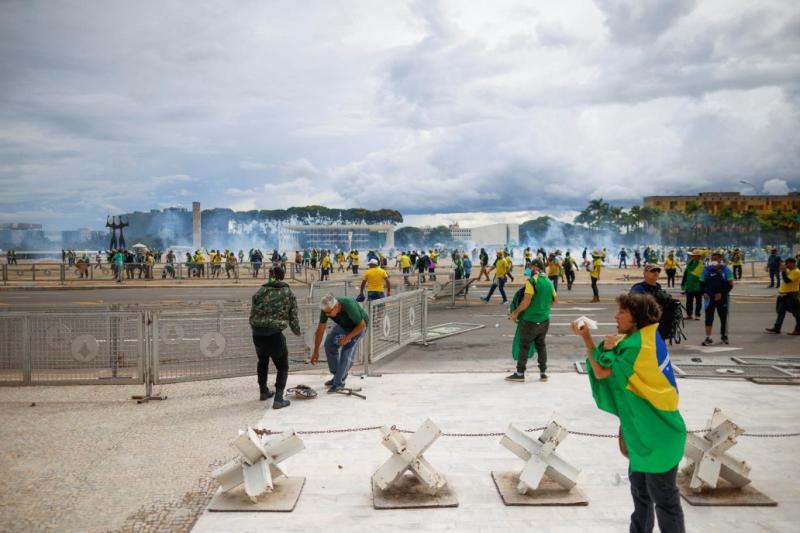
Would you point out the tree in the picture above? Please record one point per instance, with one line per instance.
(440, 235)
(408, 237)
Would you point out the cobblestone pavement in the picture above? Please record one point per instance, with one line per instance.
(89, 459)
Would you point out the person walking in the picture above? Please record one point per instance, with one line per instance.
(483, 258)
(623, 259)
(342, 341)
(405, 267)
(788, 296)
(632, 378)
(594, 273)
(532, 316)
(375, 279)
(501, 270)
(736, 261)
(553, 270)
(690, 284)
(716, 283)
(671, 267)
(274, 308)
(569, 270)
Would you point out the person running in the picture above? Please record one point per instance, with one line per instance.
(501, 270)
(788, 296)
(528, 256)
(690, 284)
(632, 378)
(341, 343)
(594, 273)
(405, 267)
(274, 308)
(553, 270)
(375, 278)
(510, 262)
(484, 262)
(671, 267)
(716, 283)
(532, 316)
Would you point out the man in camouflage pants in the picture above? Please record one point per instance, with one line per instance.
(274, 309)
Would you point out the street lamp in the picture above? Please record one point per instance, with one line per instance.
(750, 184)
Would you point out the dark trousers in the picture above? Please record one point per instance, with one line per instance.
(554, 279)
(671, 277)
(661, 491)
(272, 347)
(595, 292)
(737, 271)
(570, 274)
(774, 277)
(532, 333)
(787, 303)
(721, 307)
(499, 283)
(697, 298)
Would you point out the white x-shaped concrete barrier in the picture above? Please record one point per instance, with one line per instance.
(708, 455)
(407, 455)
(540, 457)
(257, 465)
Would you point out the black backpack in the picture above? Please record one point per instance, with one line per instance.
(671, 324)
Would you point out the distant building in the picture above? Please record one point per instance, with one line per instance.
(714, 202)
(13, 234)
(335, 236)
(491, 235)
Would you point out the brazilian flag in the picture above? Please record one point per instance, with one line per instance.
(643, 394)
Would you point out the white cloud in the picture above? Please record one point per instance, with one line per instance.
(776, 187)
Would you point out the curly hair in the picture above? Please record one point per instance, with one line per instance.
(643, 308)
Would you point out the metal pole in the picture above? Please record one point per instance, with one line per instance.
(424, 318)
(27, 364)
(33, 270)
(400, 320)
(115, 336)
(5, 274)
(62, 274)
(452, 279)
(91, 272)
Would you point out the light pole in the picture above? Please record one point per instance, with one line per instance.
(750, 184)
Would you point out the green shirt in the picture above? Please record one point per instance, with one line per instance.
(349, 316)
(542, 300)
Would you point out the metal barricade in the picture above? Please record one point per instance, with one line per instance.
(72, 348)
(395, 322)
(321, 288)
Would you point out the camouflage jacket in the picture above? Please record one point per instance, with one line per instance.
(274, 306)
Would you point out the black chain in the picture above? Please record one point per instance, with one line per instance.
(265, 431)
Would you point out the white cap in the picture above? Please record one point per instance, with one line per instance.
(373, 261)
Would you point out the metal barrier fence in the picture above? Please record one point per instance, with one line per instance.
(395, 322)
(150, 345)
(321, 288)
(72, 348)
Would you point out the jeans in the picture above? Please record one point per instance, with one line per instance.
(375, 295)
(698, 301)
(271, 347)
(554, 279)
(670, 277)
(499, 283)
(788, 302)
(659, 489)
(737, 271)
(721, 307)
(532, 333)
(623, 263)
(595, 292)
(340, 360)
(570, 279)
(774, 278)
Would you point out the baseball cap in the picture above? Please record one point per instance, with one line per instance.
(652, 267)
(373, 261)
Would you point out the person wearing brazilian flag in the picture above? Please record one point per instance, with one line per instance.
(632, 378)
(531, 312)
(690, 284)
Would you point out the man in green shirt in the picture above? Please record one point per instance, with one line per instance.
(534, 313)
(342, 341)
(691, 284)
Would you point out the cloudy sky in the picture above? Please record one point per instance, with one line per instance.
(503, 107)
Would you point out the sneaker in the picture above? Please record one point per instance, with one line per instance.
(504, 302)
(335, 388)
(795, 332)
(707, 342)
(697, 317)
(542, 377)
(724, 340)
(266, 395)
(516, 377)
(484, 299)
(328, 383)
(689, 317)
(772, 330)
(280, 404)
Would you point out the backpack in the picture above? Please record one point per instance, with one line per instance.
(670, 326)
(520, 294)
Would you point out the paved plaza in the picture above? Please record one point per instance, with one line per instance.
(86, 458)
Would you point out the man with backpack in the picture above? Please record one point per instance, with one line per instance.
(532, 315)
(716, 283)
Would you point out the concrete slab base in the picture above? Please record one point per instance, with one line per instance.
(409, 493)
(725, 495)
(283, 498)
(548, 493)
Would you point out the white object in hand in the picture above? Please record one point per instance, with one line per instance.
(584, 321)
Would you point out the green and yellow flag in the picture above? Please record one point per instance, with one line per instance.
(643, 394)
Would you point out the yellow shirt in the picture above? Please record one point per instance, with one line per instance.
(354, 259)
(596, 268)
(405, 261)
(553, 268)
(375, 277)
(794, 286)
(670, 264)
(501, 267)
(326, 262)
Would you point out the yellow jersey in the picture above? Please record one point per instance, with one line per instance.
(670, 264)
(375, 277)
(405, 261)
(326, 262)
(596, 265)
(501, 266)
(794, 285)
